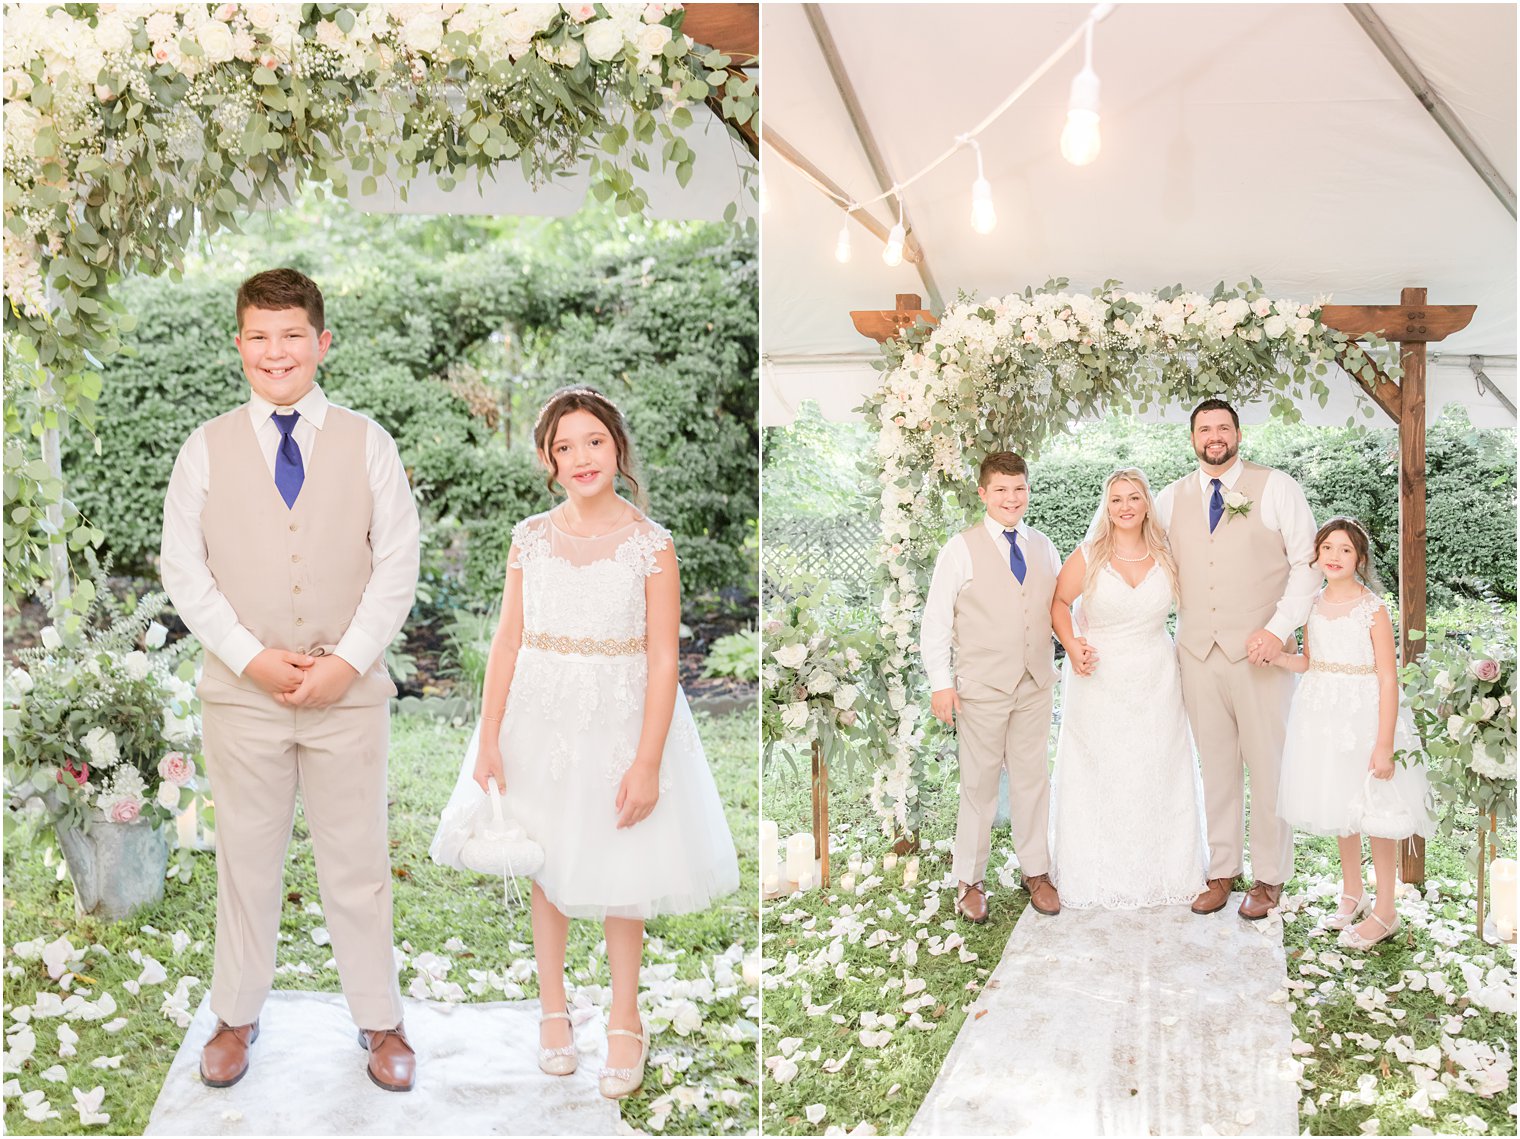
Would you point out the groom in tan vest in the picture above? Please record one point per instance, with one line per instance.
(1243, 537)
(290, 548)
(990, 659)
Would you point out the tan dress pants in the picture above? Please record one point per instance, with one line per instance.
(1239, 714)
(257, 753)
(998, 730)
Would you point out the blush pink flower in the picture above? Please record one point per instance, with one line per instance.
(80, 775)
(176, 768)
(1485, 670)
(125, 811)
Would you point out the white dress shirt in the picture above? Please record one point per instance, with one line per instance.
(393, 535)
(1284, 509)
(952, 573)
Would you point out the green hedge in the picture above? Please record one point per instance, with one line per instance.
(666, 326)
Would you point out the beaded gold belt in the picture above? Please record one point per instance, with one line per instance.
(1343, 669)
(585, 646)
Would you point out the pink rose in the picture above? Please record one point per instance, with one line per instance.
(1485, 670)
(125, 811)
(847, 717)
(80, 775)
(176, 768)
(580, 13)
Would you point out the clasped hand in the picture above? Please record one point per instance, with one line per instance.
(1263, 647)
(301, 681)
(1083, 657)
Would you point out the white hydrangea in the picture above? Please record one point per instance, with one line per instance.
(102, 747)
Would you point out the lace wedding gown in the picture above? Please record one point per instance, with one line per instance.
(571, 729)
(1333, 725)
(1126, 800)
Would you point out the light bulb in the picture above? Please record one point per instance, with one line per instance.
(842, 248)
(983, 213)
(893, 253)
(1080, 140)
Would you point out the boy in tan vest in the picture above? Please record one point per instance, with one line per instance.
(1243, 537)
(990, 659)
(290, 548)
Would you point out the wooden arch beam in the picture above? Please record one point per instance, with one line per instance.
(733, 29)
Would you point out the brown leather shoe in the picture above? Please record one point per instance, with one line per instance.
(1260, 900)
(224, 1059)
(1215, 896)
(971, 902)
(392, 1063)
(1042, 893)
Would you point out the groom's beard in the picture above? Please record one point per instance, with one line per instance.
(1225, 456)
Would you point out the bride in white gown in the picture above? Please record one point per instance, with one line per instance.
(1126, 801)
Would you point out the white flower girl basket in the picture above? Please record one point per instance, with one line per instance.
(1381, 812)
(474, 833)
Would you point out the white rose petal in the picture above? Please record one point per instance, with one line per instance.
(815, 1113)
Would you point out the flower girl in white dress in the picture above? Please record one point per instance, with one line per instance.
(1346, 721)
(584, 717)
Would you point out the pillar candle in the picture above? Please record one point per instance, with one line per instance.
(847, 884)
(799, 856)
(910, 872)
(888, 861)
(1502, 875)
(184, 826)
(769, 842)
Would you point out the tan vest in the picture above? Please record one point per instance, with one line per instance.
(1002, 629)
(1230, 581)
(294, 576)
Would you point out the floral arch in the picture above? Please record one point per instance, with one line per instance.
(129, 128)
(1007, 372)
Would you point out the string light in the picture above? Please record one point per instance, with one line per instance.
(1080, 140)
(1080, 144)
(892, 255)
(983, 213)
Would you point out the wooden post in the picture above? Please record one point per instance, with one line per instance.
(821, 809)
(1412, 532)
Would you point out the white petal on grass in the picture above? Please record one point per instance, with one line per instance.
(106, 1062)
(815, 1113)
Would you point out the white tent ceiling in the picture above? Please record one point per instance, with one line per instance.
(1272, 140)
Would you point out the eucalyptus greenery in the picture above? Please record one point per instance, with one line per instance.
(130, 129)
(1008, 372)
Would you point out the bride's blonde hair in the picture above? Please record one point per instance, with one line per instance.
(1100, 547)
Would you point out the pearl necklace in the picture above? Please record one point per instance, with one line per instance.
(1142, 558)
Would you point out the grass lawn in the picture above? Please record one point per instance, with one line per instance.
(452, 928)
(857, 1025)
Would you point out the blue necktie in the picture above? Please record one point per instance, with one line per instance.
(1015, 555)
(1216, 505)
(289, 473)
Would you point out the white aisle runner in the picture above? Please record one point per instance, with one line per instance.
(1124, 1023)
(477, 1074)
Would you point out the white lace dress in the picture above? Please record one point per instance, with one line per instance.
(571, 729)
(1126, 811)
(1333, 725)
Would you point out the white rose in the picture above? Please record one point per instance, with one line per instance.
(653, 38)
(569, 55)
(215, 39)
(156, 636)
(21, 681)
(1443, 681)
(1275, 326)
(790, 656)
(1455, 725)
(262, 16)
(845, 696)
(1490, 707)
(423, 32)
(604, 40)
(168, 796)
(18, 84)
(111, 33)
(1235, 498)
(822, 682)
(102, 747)
(580, 13)
(1302, 326)
(1173, 325)
(795, 716)
(136, 664)
(50, 635)
(178, 729)
(1261, 306)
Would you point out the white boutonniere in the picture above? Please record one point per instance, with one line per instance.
(1236, 503)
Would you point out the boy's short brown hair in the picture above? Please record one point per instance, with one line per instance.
(281, 288)
(1001, 463)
